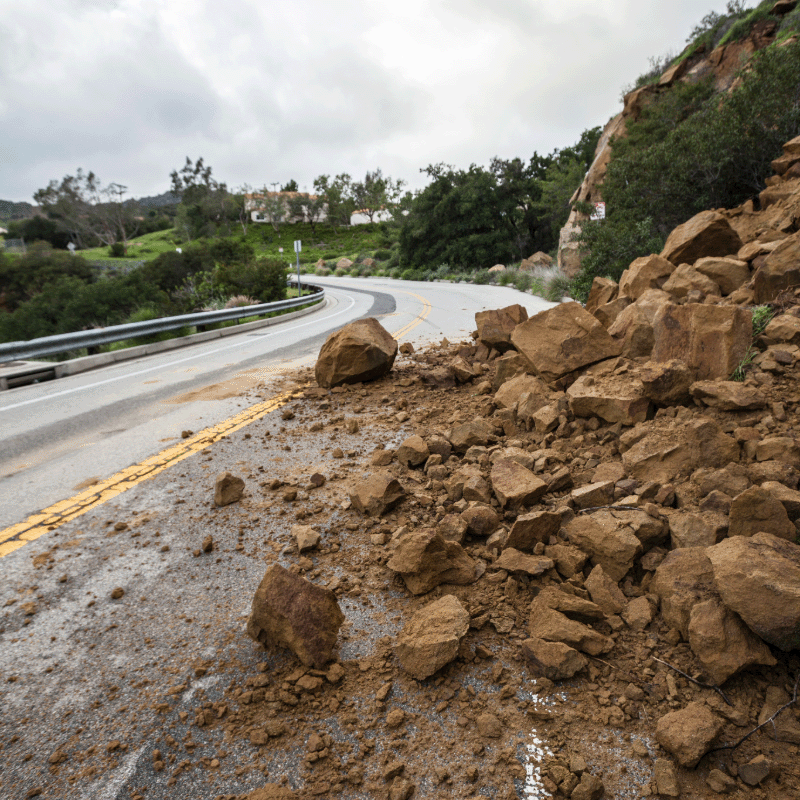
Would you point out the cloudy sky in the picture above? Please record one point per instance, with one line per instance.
(269, 90)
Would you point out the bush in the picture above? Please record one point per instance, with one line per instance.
(117, 250)
(145, 314)
(382, 255)
(264, 278)
(411, 275)
(522, 280)
(482, 276)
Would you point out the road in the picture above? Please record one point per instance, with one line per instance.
(64, 437)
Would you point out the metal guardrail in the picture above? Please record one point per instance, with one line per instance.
(52, 345)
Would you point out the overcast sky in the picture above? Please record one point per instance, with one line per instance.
(269, 90)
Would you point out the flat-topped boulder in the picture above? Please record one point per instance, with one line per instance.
(706, 234)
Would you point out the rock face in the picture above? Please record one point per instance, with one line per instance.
(361, 351)
(227, 489)
(705, 234)
(377, 493)
(711, 340)
(430, 639)
(688, 733)
(723, 643)
(496, 326)
(424, 560)
(759, 579)
(563, 339)
(292, 612)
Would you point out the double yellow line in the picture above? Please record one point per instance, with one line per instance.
(50, 518)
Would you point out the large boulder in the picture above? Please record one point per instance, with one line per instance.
(755, 510)
(759, 578)
(780, 270)
(512, 390)
(603, 291)
(613, 398)
(292, 612)
(361, 351)
(728, 273)
(496, 326)
(686, 279)
(647, 272)
(425, 559)
(563, 339)
(430, 639)
(706, 234)
(711, 339)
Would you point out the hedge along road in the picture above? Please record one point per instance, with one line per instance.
(71, 444)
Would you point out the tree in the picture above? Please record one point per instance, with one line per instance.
(290, 187)
(89, 211)
(240, 203)
(205, 207)
(375, 193)
(337, 196)
(274, 208)
(308, 207)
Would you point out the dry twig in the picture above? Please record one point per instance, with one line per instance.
(696, 682)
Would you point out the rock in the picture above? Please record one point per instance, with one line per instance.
(361, 351)
(638, 614)
(430, 639)
(424, 560)
(720, 782)
(674, 448)
(603, 291)
(489, 726)
(480, 520)
(593, 495)
(228, 489)
(681, 581)
(377, 493)
(553, 626)
(687, 734)
(606, 541)
(711, 340)
(589, 788)
(496, 326)
(607, 314)
(292, 612)
(531, 528)
(512, 390)
(554, 660)
(723, 644)
(790, 498)
(406, 348)
(438, 445)
(117, 593)
(538, 259)
(412, 452)
(755, 510)
(563, 339)
(784, 328)
(759, 578)
(755, 771)
(462, 370)
(305, 537)
(648, 272)
(728, 273)
(515, 454)
(508, 366)
(666, 778)
(613, 398)
(514, 485)
(605, 592)
(569, 560)
(514, 561)
(779, 448)
(780, 270)
(453, 528)
(728, 395)
(691, 530)
(344, 263)
(382, 458)
(667, 383)
(706, 234)
(784, 727)
(546, 419)
(687, 279)
(466, 435)
(272, 791)
(571, 605)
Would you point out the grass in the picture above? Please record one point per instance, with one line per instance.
(142, 248)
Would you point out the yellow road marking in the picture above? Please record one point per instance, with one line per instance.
(426, 309)
(51, 518)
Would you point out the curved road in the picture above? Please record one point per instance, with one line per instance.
(63, 436)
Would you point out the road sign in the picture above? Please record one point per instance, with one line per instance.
(297, 245)
(599, 211)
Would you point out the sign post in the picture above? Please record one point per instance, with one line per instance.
(297, 248)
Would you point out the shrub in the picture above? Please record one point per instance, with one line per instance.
(240, 301)
(145, 314)
(522, 280)
(411, 275)
(482, 276)
(264, 278)
(117, 250)
(382, 255)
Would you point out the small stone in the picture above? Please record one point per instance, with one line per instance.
(755, 771)
(395, 718)
(208, 544)
(305, 537)
(228, 489)
(719, 782)
(489, 726)
(117, 593)
(666, 778)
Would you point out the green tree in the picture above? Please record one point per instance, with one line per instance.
(264, 279)
(338, 198)
(291, 186)
(376, 193)
(205, 206)
(307, 207)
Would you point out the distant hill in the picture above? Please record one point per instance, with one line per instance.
(159, 200)
(9, 210)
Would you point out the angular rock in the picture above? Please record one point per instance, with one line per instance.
(667, 383)
(686, 279)
(412, 452)
(593, 495)
(710, 339)
(462, 370)
(691, 530)
(784, 727)
(681, 581)
(453, 528)
(779, 271)
(430, 639)
(728, 395)
(589, 788)
(728, 273)
(572, 606)
(530, 529)
(563, 339)
(603, 291)
(228, 489)
(554, 660)
(720, 782)
(438, 445)
(294, 613)
(608, 313)
(305, 537)
(553, 626)
(647, 272)
(613, 398)
(756, 510)
(511, 391)
(507, 366)
(790, 498)
(666, 778)
(569, 560)
(759, 579)
(706, 234)
(361, 351)
(638, 614)
(689, 733)
(424, 560)
(489, 726)
(605, 541)
(468, 434)
(481, 520)
(779, 448)
(514, 485)
(605, 592)
(377, 493)
(496, 326)
(514, 561)
(784, 328)
(755, 771)
(723, 644)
